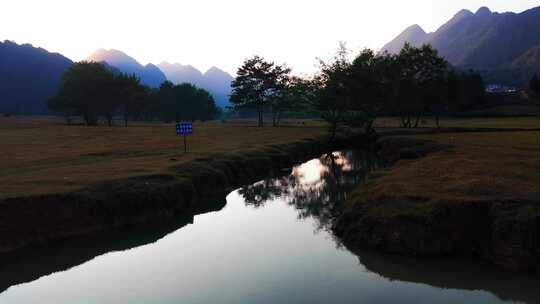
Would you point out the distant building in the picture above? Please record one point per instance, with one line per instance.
(499, 88)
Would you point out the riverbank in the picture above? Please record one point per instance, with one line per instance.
(179, 189)
(451, 194)
(42, 155)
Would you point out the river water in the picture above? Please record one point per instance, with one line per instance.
(269, 243)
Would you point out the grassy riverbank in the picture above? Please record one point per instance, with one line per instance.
(453, 193)
(41, 155)
(109, 195)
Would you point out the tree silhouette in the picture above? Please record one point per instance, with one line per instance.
(334, 99)
(534, 86)
(423, 74)
(260, 84)
(132, 96)
(184, 102)
(321, 197)
(92, 90)
(85, 90)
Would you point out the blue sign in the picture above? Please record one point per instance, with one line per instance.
(184, 128)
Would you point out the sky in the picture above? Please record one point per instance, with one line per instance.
(206, 33)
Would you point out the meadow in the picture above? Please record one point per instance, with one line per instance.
(43, 155)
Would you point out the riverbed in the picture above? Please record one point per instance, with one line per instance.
(269, 242)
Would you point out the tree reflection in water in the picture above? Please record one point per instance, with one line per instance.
(316, 188)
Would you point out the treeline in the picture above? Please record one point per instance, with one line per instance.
(534, 88)
(93, 91)
(412, 84)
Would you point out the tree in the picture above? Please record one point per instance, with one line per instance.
(60, 104)
(534, 86)
(279, 82)
(464, 90)
(259, 84)
(422, 75)
(333, 99)
(184, 102)
(133, 97)
(370, 80)
(354, 92)
(86, 90)
(295, 96)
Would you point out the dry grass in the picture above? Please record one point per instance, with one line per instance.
(506, 123)
(41, 155)
(480, 166)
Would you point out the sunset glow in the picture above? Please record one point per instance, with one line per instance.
(205, 33)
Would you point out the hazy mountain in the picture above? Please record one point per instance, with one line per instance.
(216, 81)
(495, 43)
(414, 35)
(150, 74)
(178, 73)
(28, 77)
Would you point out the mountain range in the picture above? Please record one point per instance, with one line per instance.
(149, 74)
(216, 81)
(504, 47)
(28, 76)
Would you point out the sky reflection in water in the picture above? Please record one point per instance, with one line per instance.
(270, 244)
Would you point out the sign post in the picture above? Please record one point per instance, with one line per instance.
(184, 129)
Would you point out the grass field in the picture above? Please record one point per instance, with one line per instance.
(42, 155)
(505, 123)
(453, 193)
(477, 166)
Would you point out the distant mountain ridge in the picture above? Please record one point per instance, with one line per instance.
(215, 80)
(150, 74)
(28, 77)
(505, 47)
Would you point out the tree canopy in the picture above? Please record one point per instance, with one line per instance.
(414, 83)
(86, 89)
(261, 85)
(534, 84)
(92, 90)
(184, 102)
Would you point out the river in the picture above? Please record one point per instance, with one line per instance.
(269, 242)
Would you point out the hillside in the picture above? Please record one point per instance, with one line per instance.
(150, 74)
(504, 46)
(28, 76)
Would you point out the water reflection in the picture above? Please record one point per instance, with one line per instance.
(460, 274)
(317, 188)
(280, 260)
(41, 261)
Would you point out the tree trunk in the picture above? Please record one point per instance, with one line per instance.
(333, 131)
(403, 122)
(90, 120)
(368, 127)
(417, 122)
(260, 110)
